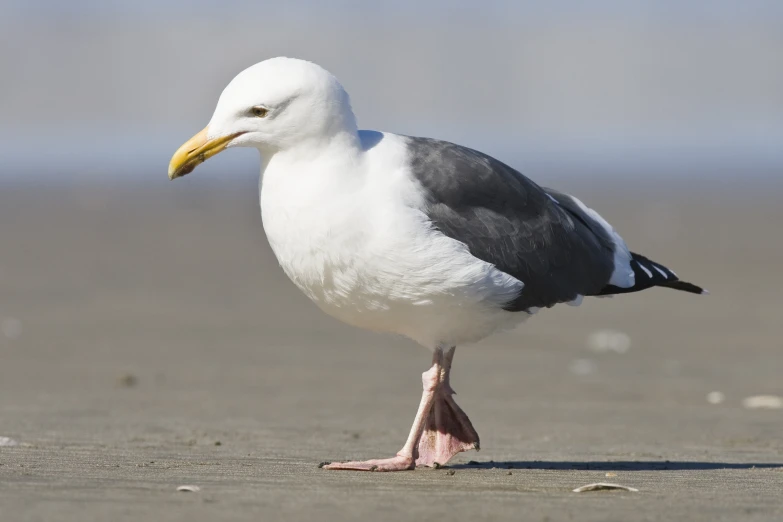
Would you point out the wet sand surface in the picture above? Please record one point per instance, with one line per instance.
(149, 340)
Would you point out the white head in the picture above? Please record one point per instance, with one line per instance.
(274, 105)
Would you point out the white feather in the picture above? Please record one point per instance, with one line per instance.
(645, 269)
(347, 228)
(623, 275)
(664, 274)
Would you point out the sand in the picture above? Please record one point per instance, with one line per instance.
(148, 340)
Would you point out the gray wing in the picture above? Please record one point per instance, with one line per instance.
(537, 235)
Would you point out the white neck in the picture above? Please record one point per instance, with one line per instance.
(305, 189)
(330, 151)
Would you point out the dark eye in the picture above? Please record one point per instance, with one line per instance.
(259, 111)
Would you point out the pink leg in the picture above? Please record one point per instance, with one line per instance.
(440, 430)
(448, 429)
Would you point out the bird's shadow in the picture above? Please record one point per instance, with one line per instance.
(615, 465)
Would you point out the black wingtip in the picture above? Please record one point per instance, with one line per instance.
(669, 279)
(684, 286)
(648, 274)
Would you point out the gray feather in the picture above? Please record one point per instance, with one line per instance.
(504, 218)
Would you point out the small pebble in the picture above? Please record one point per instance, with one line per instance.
(322, 464)
(768, 402)
(610, 474)
(127, 381)
(603, 486)
(509, 473)
(8, 441)
(218, 443)
(606, 341)
(715, 397)
(189, 489)
(450, 472)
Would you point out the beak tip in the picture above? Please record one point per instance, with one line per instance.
(196, 151)
(179, 170)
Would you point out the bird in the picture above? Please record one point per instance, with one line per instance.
(408, 235)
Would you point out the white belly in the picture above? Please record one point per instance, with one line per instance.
(374, 262)
(436, 295)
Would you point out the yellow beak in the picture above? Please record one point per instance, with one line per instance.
(196, 151)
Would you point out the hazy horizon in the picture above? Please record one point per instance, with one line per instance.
(679, 86)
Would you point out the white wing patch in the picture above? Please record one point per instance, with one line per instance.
(623, 275)
(664, 274)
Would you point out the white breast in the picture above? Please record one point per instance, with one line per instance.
(352, 237)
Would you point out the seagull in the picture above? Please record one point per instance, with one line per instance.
(413, 236)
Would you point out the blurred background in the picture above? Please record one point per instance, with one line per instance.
(686, 87)
(142, 314)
